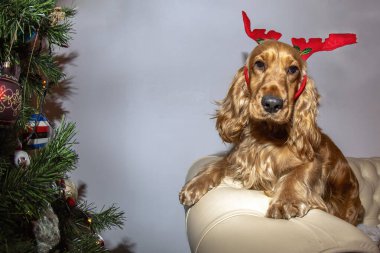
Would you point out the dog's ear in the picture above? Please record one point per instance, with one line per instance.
(232, 115)
(305, 134)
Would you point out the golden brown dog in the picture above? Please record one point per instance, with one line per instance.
(277, 146)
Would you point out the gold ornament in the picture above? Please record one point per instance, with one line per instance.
(57, 16)
(70, 190)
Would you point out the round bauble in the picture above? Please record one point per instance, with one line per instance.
(10, 96)
(21, 159)
(100, 241)
(69, 191)
(38, 132)
(57, 16)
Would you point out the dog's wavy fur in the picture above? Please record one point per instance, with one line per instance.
(285, 154)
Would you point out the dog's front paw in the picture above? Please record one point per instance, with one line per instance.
(286, 209)
(192, 192)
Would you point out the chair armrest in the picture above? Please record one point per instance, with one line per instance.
(230, 219)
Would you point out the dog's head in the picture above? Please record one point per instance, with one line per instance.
(275, 70)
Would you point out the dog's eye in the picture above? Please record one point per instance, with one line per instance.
(292, 70)
(260, 65)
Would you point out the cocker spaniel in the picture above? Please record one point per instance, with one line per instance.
(277, 146)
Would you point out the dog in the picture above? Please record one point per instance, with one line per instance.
(277, 146)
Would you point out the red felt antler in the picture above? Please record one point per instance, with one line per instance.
(334, 41)
(258, 35)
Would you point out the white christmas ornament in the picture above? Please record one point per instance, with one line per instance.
(21, 158)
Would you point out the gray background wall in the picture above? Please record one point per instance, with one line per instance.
(146, 78)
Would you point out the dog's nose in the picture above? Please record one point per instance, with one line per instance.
(272, 104)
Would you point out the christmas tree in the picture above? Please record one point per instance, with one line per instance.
(41, 209)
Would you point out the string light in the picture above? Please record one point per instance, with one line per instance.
(44, 83)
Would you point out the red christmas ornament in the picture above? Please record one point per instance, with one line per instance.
(100, 241)
(10, 96)
(71, 202)
(69, 191)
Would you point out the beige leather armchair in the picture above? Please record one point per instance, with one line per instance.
(229, 219)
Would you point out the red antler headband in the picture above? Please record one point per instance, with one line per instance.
(258, 34)
(306, 48)
(314, 45)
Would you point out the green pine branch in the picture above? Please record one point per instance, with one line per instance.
(17, 244)
(83, 223)
(28, 190)
(29, 34)
(58, 154)
(86, 243)
(105, 219)
(108, 218)
(19, 18)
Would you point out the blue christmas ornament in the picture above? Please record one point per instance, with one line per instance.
(28, 37)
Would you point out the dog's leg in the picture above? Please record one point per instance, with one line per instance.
(296, 192)
(208, 178)
(342, 193)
